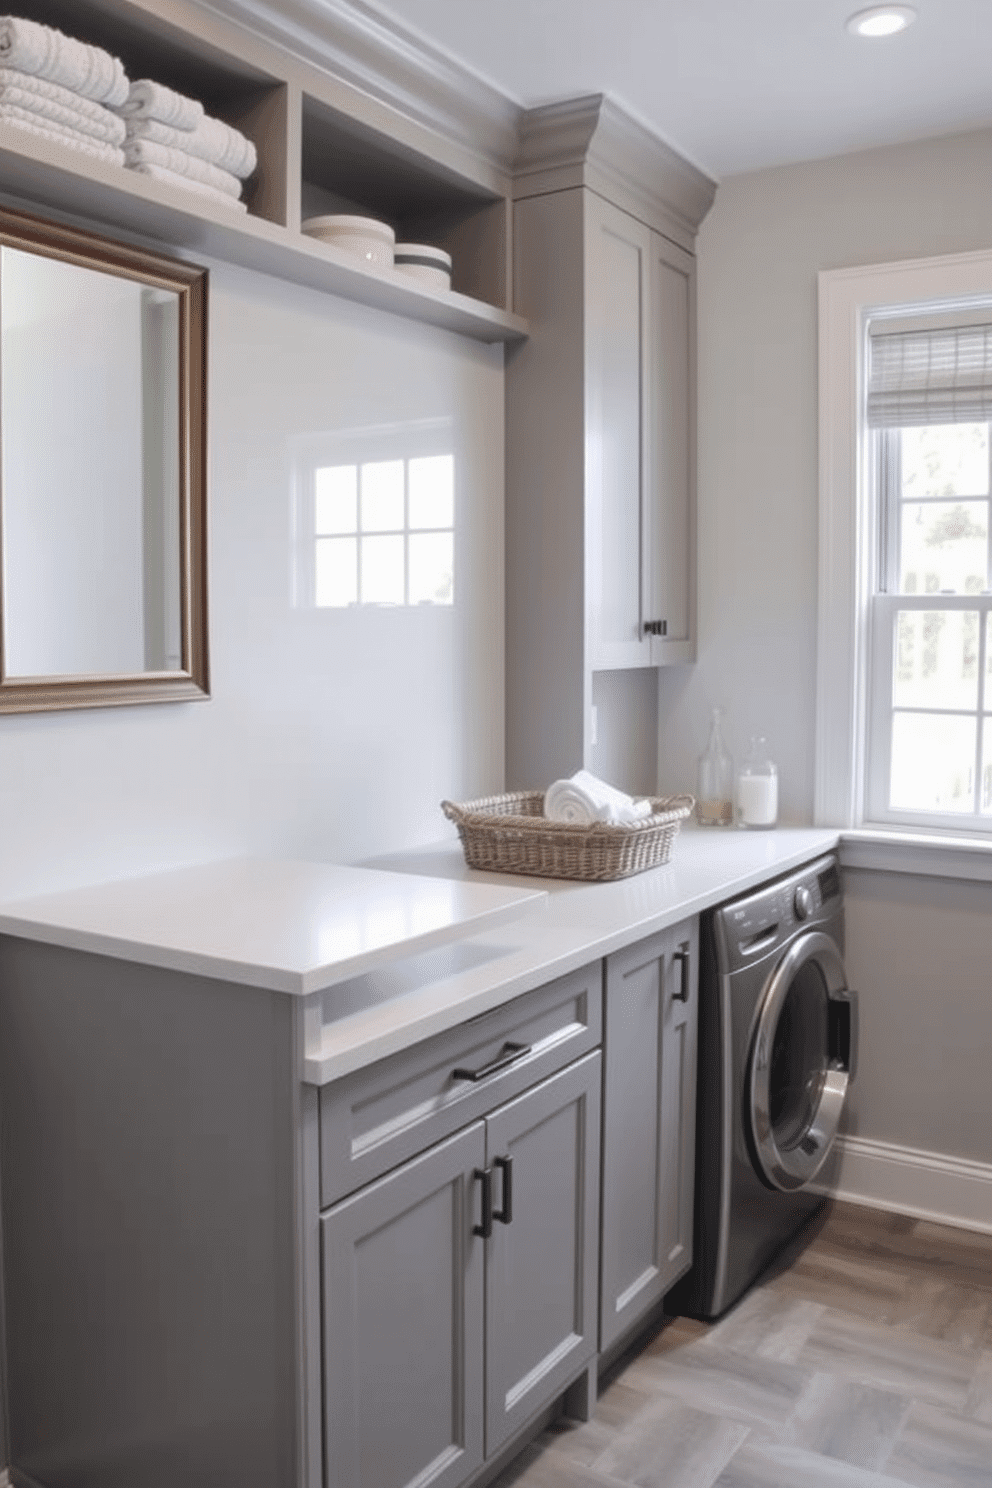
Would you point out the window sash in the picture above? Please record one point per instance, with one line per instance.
(884, 609)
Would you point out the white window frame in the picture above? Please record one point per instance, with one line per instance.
(848, 300)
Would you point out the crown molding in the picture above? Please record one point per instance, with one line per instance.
(593, 142)
(589, 141)
(396, 67)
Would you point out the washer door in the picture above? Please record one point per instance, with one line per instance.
(801, 1061)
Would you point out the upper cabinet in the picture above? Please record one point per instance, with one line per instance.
(601, 521)
(640, 518)
(325, 144)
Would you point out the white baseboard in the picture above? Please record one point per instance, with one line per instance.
(906, 1180)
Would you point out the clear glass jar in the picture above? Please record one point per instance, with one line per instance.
(757, 788)
(715, 779)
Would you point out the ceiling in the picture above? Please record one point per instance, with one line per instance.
(734, 85)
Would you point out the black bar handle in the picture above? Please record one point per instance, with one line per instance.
(485, 1229)
(656, 627)
(682, 956)
(505, 1165)
(509, 1054)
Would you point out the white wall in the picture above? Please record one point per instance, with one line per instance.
(329, 734)
(927, 1003)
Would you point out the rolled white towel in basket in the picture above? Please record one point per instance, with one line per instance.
(45, 52)
(584, 799)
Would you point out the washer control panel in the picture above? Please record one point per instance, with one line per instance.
(752, 927)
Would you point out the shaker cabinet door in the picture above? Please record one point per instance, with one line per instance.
(669, 577)
(542, 1262)
(403, 1324)
(618, 281)
(648, 1124)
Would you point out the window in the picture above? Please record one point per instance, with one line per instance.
(378, 529)
(904, 666)
(929, 690)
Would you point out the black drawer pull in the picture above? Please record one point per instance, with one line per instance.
(505, 1165)
(682, 956)
(509, 1054)
(485, 1229)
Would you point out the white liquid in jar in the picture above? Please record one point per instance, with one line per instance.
(757, 800)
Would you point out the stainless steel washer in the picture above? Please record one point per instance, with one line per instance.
(777, 1051)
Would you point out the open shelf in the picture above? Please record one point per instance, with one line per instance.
(314, 157)
(48, 175)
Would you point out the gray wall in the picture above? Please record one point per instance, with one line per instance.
(917, 947)
(330, 734)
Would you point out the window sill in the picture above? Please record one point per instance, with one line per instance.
(935, 855)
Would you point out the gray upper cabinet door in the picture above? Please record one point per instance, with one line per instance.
(542, 1265)
(403, 1324)
(618, 286)
(648, 1124)
(669, 575)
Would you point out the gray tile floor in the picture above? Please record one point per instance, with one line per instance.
(862, 1360)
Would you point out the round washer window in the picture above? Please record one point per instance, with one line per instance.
(800, 1057)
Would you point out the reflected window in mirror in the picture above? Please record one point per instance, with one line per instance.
(102, 499)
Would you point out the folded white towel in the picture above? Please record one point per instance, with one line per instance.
(11, 77)
(31, 124)
(146, 152)
(150, 100)
(110, 128)
(46, 53)
(584, 799)
(212, 140)
(185, 183)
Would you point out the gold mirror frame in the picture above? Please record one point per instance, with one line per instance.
(189, 282)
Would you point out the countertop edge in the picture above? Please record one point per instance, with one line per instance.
(363, 1038)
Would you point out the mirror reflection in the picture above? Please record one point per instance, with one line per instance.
(89, 408)
(101, 471)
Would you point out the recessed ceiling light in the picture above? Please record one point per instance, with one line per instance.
(881, 20)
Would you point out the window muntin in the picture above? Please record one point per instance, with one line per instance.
(378, 532)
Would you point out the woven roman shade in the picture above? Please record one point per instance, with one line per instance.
(939, 375)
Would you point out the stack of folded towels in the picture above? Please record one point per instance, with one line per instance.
(584, 799)
(170, 138)
(61, 89)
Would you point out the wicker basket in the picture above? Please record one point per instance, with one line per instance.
(511, 834)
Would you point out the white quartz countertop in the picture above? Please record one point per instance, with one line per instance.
(370, 1017)
(403, 948)
(290, 926)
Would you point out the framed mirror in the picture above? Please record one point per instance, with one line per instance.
(102, 471)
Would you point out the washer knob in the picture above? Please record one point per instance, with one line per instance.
(803, 903)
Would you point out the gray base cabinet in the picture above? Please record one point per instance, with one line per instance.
(460, 1289)
(648, 1124)
(403, 1324)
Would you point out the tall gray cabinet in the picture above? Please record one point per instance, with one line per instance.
(600, 401)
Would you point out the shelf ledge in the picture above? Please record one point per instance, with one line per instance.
(48, 177)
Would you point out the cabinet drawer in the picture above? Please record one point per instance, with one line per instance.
(376, 1118)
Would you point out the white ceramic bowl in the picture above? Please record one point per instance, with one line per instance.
(432, 266)
(367, 239)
